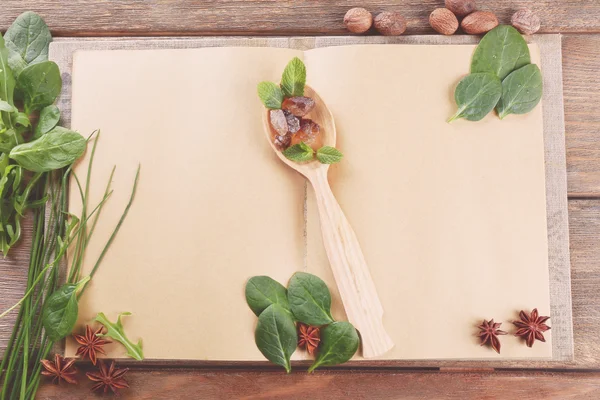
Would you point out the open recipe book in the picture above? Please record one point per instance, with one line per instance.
(451, 217)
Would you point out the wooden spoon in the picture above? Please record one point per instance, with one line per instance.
(350, 269)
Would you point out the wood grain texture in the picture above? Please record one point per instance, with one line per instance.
(584, 220)
(268, 17)
(13, 279)
(581, 63)
(254, 385)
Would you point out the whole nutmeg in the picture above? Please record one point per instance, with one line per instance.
(443, 21)
(358, 20)
(461, 8)
(526, 21)
(479, 22)
(390, 23)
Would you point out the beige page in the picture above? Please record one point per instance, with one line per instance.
(451, 217)
(213, 206)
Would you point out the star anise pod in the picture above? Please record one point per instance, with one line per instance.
(108, 378)
(60, 369)
(489, 331)
(90, 343)
(309, 337)
(531, 327)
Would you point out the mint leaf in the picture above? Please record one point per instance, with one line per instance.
(299, 152)
(294, 78)
(329, 155)
(270, 94)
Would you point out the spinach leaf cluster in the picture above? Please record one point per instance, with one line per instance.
(502, 77)
(31, 142)
(307, 300)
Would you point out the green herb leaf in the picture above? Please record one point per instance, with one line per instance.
(329, 155)
(22, 119)
(7, 83)
(276, 336)
(9, 139)
(5, 106)
(270, 94)
(339, 342)
(49, 117)
(309, 299)
(115, 331)
(262, 291)
(521, 91)
(59, 314)
(294, 78)
(299, 152)
(40, 84)
(27, 39)
(501, 51)
(476, 95)
(56, 149)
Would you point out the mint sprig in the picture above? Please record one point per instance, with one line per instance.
(299, 152)
(329, 155)
(294, 78)
(270, 94)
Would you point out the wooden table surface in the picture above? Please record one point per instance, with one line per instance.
(578, 20)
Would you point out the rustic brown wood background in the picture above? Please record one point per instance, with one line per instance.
(578, 20)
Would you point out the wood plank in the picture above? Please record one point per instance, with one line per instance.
(13, 279)
(581, 63)
(584, 220)
(584, 217)
(268, 17)
(234, 384)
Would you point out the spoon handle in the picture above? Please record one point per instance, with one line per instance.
(350, 270)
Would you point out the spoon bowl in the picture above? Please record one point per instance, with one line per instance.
(322, 116)
(352, 275)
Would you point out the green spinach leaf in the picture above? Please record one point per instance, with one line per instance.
(9, 139)
(49, 117)
(27, 39)
(22, 119)
(40, 84)
(5, 106)
(476, 95)
(56, 149)
(115, 331)
(270, 94)
(339, 342)
(262, 291)
(521, 91)
(309, 299)
(276, 336)
(60, 310)
(294, 78)
(501, 51)
(7, 83)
